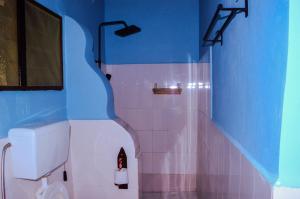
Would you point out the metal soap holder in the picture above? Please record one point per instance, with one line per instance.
(167, 91)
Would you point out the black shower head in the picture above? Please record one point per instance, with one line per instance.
(124, 32)
(128, 30)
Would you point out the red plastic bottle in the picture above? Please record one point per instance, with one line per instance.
(122, 164)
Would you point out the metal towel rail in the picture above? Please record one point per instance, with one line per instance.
(218, 38)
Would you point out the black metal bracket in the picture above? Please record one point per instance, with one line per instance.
(218, 38)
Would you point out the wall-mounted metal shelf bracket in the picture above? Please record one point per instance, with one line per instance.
(167, 91)
(209, 39)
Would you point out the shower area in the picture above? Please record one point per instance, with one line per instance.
(164, 104)
(163, 90)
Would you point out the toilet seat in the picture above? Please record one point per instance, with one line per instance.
(56, 190)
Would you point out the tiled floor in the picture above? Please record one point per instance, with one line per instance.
(173, 195)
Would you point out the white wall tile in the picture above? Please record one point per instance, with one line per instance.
(286, 193)
(146, 141)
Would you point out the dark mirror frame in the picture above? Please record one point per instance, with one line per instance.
(21, 32)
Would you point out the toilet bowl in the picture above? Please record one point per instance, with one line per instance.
(55, 190)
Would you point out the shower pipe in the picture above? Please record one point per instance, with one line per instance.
(123, 32)
(112, 23)
(3, 190)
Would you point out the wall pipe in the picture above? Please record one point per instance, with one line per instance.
(3, 190)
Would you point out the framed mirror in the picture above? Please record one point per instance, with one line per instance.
(30, 47)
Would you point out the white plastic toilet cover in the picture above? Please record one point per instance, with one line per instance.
(56, 190)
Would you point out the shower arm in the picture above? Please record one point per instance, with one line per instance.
(113, 23)
(110, 23)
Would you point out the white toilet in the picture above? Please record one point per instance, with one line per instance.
(56, 190)
(34, 156)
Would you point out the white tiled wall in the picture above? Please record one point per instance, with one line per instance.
(182, 149)
(223, 172)
(166, 124)
(286, 193)
(95, 145)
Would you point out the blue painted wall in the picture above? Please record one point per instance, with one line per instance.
(249, 78)
(89, 94)
(88, 13)
(17, 108)
(170, 32)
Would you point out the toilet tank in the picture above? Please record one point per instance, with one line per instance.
(39, 149)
